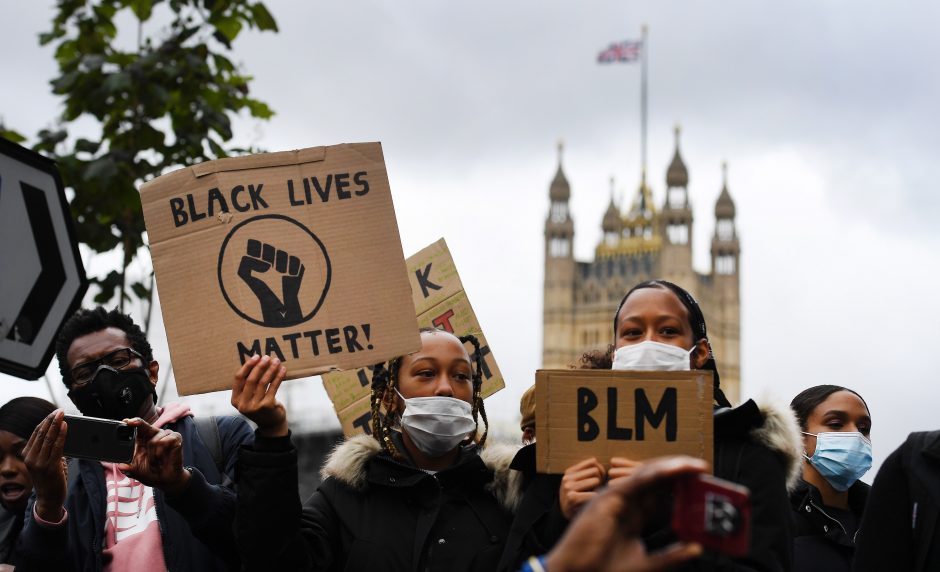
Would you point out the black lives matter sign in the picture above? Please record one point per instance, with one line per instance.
(295, 255)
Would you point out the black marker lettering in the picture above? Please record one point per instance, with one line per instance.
(360, 179)
(255, 194)
(179, 215)
(215, 196)
(614, 432)
(292, 338)
(341, 181)
(667, 409)
(588, 430)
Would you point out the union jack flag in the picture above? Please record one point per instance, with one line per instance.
(627, 51)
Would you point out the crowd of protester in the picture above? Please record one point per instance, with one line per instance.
(426, 489)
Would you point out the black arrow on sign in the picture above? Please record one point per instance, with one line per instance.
(51, 278)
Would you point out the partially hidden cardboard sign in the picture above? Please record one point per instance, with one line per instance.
(634, 414)
(293, 254)
(439, 301)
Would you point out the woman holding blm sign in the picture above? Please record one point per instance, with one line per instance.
(659, 326)
(420, 493)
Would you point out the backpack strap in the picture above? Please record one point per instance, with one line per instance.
(208, 429)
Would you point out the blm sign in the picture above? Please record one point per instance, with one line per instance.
(294, 254)
(587, 413)
(440, 302)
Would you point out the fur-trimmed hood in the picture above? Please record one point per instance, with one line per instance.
(347, 464)
(780, 433)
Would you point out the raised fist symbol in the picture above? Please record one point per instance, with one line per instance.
(260, 258)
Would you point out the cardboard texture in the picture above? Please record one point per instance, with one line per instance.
(440, 301)
(293, 254)
(634, 414)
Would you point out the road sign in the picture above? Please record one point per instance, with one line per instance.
(42, 280)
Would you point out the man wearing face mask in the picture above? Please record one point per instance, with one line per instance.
(170, 508)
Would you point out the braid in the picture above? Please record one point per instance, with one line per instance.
(477, 405)
(379, 383)
(384, 379)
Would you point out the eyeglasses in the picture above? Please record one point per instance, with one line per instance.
(118, 359)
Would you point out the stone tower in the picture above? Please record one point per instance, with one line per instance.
(558, 308)
(641, 244)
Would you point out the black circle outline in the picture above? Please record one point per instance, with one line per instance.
(326, 286)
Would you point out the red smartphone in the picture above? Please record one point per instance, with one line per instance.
(713, 512)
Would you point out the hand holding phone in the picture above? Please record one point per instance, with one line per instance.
(713, 512)
(158, 458)
(99, 439)
(43, 457)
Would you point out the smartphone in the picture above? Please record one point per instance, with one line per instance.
(99, 439)
(713, 512)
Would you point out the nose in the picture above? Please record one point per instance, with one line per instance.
(8, 468)
(444, 387)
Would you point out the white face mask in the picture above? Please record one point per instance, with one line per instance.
(652, 356)
(437, 424)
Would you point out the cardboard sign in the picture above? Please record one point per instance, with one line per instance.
(294, 254)
(639, 415)
(440, 301)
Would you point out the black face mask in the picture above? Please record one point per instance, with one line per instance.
(114, 394)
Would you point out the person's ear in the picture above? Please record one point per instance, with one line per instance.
(700, 355)
(153, 371)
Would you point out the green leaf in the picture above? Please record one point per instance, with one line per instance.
(87, 146)
(229, 27)
(263, 19)
(140, 290)
(259, 109)
(11, 135)
(101, 170)
(117, 82)
(47, 37)
(142, 9)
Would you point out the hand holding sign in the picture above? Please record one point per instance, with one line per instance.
(254, 394)
(578, 486)
(260, 258)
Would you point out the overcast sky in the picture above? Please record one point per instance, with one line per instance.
(826, 112)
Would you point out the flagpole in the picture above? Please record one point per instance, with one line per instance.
(643, 102)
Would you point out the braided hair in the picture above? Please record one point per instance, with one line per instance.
(604, 360)
(385, 380)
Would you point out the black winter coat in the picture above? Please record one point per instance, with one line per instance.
(372, 512)
(753, 447)
(900, 528)
(820, 543)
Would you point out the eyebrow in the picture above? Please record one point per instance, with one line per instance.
(845, 414)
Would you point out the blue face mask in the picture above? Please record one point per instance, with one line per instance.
(841, 457)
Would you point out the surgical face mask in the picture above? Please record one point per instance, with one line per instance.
(652, 356)
(113, 393)
(841, 457)
(437, 425)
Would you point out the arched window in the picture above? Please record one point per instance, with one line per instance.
(558, 247)
(678, 233)
(725, 264)
(676, 198)
(725, 229)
